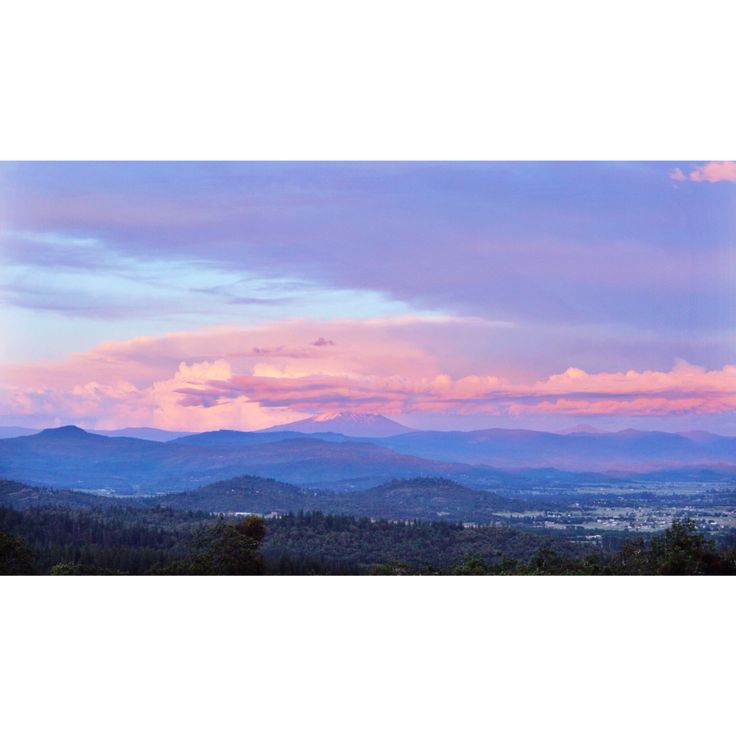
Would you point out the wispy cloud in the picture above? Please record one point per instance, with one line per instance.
(555, 243)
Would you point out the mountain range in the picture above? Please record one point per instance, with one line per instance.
(627, 451)
(70, 457)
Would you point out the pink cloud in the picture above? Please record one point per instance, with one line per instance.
(216, 377)
(684, 389)
(712, 172)
(678, 175)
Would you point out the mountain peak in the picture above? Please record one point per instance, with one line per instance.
(70, 430)
(351, 416)
(582, 429)
(356, 424)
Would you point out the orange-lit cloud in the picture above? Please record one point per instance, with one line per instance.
(254, 377)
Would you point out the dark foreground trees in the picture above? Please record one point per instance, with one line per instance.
(680, 550)
(223, 549)
(15, 556)
(114, 541)
(134, 541)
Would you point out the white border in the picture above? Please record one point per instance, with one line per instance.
(393, 79)
(366, 656)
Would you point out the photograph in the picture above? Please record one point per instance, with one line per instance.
(368, 368)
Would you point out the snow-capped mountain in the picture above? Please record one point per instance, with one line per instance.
(355, 424)
(582, 429)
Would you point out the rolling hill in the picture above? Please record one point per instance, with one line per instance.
(412, 498)
(244, 494)
(23, 496)
(425, 498)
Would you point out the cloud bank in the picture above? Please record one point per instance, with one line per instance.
(254, 377)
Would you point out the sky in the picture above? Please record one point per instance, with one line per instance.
(197, 296)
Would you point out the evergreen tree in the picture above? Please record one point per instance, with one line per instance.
(15, 556)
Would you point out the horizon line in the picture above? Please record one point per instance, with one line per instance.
(563, 432)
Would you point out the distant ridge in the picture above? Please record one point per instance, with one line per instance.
(353, 424)
(582, 429)
(9, 432)
(142, 433)
(139, 433)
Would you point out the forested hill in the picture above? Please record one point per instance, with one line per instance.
(426, 498)
(23, 496)
(418, 498)
(244, 494)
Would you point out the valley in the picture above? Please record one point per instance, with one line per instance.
(337, 503)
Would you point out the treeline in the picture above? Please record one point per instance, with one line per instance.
(421, 548)
(425, 545)
(163, 540)
(135, 541)
(99, 540)
(679, 550)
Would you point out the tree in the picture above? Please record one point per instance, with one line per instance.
(682, 550)
(15, 556)
(225, 549)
